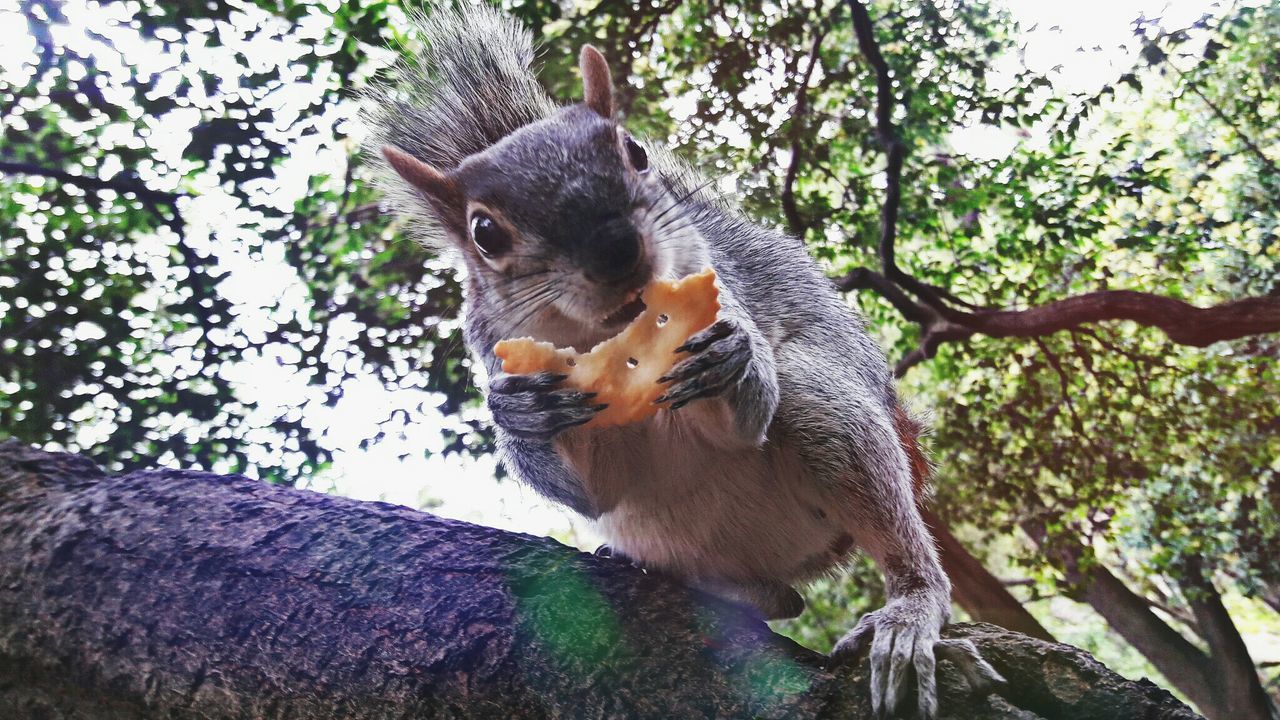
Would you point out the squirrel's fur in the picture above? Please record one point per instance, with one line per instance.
(792, 445)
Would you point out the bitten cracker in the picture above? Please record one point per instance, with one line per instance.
(623, 371)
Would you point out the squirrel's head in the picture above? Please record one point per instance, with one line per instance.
(563, 222)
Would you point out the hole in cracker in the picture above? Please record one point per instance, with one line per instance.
(632, 363)
(662, 319)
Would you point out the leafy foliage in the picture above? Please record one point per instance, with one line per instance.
(119, 338)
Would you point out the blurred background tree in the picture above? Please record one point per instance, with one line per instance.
(185, 223)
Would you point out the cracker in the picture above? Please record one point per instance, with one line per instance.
(623, 371)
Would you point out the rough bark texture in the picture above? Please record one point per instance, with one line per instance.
(1183, 664)
(172, 594)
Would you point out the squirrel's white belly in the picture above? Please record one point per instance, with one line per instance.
(676, 499)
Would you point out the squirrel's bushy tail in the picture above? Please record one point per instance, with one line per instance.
(469, 86)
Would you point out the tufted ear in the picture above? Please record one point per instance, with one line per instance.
(597, 86)
(440, 190)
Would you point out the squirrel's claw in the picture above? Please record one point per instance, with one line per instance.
(965, 656)
(903, 638)
(720, 357)
(607, 551)
(534, 406)
(719, 329)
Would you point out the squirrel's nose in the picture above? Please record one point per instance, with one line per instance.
(613, 253)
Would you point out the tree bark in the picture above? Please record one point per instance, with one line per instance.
(1238, 689)
(171, 594)
(1223, 683)
(1181, 662)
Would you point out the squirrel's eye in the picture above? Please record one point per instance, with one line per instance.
(639, 158)
(490, 239)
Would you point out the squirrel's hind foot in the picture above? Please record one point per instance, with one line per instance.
(903, 638)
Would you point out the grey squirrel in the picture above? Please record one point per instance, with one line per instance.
(784, 444)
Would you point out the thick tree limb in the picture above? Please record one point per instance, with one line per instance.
(1183, 322)
(1129, 614)
(171, 594)
(1238, 687)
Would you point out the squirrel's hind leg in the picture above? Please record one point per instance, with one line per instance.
(771, 599)
(858, 459)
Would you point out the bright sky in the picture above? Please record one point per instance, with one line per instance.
(461, 488)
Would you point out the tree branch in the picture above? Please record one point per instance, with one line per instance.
(171, 594)
(895, 154)
(934, 329)
(86, 182)
(1183, 322)
(1244, 137)
(1223, 117)
(868, 279)
(932, 338)
(1239, 690)
(795, 221)
(886, 134)
(359, 214)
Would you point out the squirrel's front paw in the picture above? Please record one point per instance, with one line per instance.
(535, 407)
(904, 637)
(720, 355)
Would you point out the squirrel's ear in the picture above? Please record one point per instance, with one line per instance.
(442, 191)
(597, 86)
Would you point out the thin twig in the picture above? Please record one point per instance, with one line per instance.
(88, 182)
(795, 221)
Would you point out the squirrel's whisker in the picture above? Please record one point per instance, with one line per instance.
(526, 276)
(521, 297)
(543, 301)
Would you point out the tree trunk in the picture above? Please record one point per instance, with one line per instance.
(1238, 688)
(170, 594)
(1222, 686)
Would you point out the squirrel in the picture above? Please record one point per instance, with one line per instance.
(784, 445)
